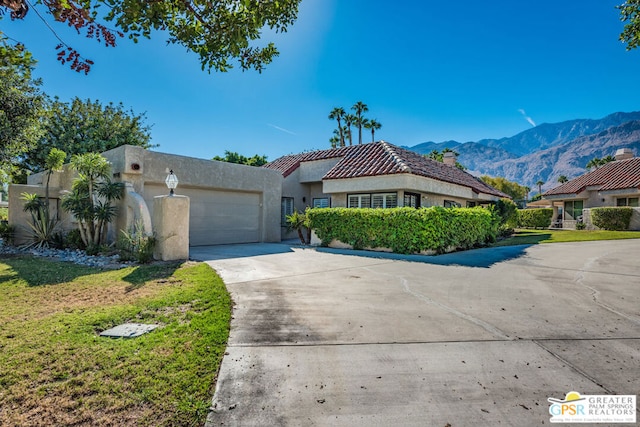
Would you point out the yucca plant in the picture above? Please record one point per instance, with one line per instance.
(91, 197)
(42, 226)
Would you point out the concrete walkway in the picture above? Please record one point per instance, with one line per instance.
(323, 337)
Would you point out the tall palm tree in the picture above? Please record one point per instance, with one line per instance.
(335, 139)
(540, 183)
(337, 114)
(562, 179)
(595, 162)
(373, 125)
(359, 107)
(349, 120)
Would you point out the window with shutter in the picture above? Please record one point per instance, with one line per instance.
(286, 208)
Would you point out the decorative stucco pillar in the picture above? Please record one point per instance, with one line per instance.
(171, 226)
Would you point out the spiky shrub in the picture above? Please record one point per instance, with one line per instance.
(42, 226)
(91, 198)
(136, 244)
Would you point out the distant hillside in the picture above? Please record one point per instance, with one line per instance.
(568, 159)
(548, 150)
(547, 135)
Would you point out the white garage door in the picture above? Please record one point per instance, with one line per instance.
(217, 217)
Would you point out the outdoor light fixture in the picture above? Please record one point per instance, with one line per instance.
(171, 181)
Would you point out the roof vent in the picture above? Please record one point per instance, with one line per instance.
(449, 158)
(624, 154)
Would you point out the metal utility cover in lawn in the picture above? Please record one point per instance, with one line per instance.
(128, 330)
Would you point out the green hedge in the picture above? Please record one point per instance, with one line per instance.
(535, 218)
(405, 230)
(611, 218)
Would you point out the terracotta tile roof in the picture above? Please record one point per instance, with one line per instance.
(618, 175)
(382, 158)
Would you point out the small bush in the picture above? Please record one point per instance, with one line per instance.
(612, 218)
(7, 232)
(73, 240)
(535, 218)
(4, 214)
(136, 245)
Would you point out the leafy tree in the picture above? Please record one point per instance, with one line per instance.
(540, 183)
(21, 106)
(562, 179)
(513, 189)
(91, 197)
(218, 31)
(233, 157)
(630, 15)
(81, 127)
(338, 114)
(596, 162)
(359, 107)
(373, 125)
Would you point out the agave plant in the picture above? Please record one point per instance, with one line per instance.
(42, 226)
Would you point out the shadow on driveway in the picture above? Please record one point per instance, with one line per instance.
(481, 258)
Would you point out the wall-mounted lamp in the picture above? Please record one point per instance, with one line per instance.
(171, 181)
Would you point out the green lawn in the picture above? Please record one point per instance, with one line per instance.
(56, 370)
(531, 237)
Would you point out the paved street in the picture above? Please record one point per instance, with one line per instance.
(323, 337)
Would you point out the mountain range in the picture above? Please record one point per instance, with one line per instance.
(546, 151)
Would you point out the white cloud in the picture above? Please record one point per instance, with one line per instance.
(527, 118)
(281, 129)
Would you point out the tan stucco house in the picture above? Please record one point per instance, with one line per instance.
(229, 203)
(379, 175)
(616, 183)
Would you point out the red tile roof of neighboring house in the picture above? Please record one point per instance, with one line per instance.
(618, 175)
(382, 158)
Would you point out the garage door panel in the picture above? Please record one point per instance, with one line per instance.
(217, 217)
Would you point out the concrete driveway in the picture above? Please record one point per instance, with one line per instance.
(325, 337)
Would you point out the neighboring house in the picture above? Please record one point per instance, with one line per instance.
(378, 175)
(613, 184)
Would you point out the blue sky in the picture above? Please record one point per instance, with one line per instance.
(428, 70)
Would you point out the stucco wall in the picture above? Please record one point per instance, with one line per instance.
(141, 167)
(314, 171)
(153, 167)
